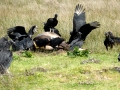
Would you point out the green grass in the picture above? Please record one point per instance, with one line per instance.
(53, 71)
(57, 71)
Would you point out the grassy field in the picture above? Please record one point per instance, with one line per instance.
(53, 70)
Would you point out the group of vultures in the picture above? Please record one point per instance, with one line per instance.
(19, 39)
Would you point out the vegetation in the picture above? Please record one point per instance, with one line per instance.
(54, 70)
(76, 52)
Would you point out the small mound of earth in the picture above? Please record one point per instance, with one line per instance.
(34, 70)
(90, 61)
(116, 69)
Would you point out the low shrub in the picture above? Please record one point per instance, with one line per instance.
(76, 52)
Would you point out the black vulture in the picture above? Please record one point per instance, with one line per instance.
(119, 57)
(23, 40)
(5, 54)
(32, 30)
(5, 43)
(78, 42)
(25, 44)
(3, 39)
(49, 26)
(40, 41)
(80, 25)
(56, 42)
(51, 23)
(108, 42)
(111, 40)
(114, 38)
(5, 60)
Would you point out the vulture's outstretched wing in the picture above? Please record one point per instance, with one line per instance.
(78, 18)
(80, 25)
(87, 28)
(17, 29)
(78, 21)
(16, 32)
(32, 30)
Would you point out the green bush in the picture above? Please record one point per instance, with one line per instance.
(27, 54)
(77, 52)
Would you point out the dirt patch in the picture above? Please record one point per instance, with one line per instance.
(34, 70)
(116, 69)
(90, 61)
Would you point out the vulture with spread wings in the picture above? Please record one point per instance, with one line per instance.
(22, 39)
(19, 32)
(80, 26)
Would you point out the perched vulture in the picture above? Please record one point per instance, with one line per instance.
(22, 39)
(49, 26)
(108, 42)
(111, 40)
(51, 23)
(80, 26)
(114, 38)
